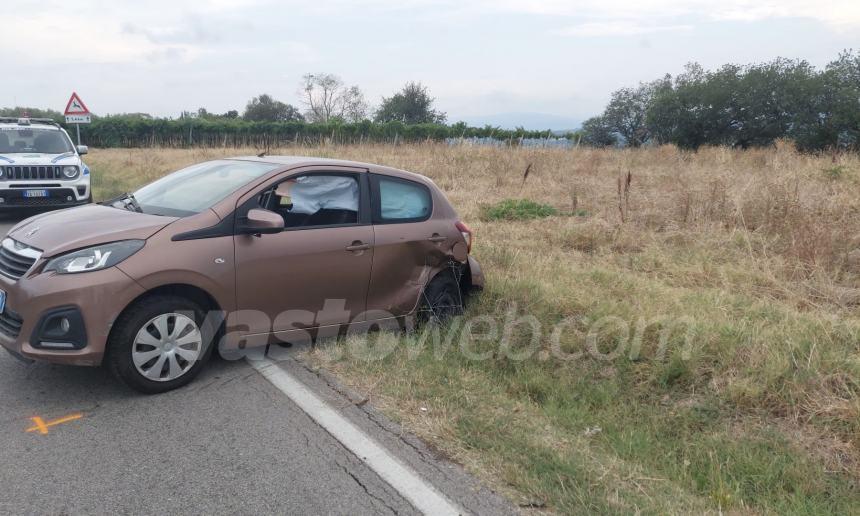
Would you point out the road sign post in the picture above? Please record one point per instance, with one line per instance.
(77, 113)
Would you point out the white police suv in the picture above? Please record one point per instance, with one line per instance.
(39, 165)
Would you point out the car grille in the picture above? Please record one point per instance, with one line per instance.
(10, 323)
(16, 258)
(32, 172)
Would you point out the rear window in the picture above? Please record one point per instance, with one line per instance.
(401, 200)
(17, 140)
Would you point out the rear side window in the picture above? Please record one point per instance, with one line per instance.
(401, 200)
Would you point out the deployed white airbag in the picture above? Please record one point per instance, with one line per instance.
(310, 194)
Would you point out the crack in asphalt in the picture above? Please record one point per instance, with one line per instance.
(360, 462)
(366, 490)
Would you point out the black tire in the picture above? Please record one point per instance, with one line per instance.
(442, 299)
(120, 344)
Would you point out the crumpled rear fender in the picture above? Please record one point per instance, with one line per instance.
(476, 274)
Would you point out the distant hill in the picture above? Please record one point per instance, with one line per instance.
(528, 121)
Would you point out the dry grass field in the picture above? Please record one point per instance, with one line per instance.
(745, 263)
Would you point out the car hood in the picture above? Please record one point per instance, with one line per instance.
(75, 228)
(36, 158)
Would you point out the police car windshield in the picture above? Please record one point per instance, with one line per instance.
(17, 140)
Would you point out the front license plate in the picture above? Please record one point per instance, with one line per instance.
(2, 301)
(35, 193)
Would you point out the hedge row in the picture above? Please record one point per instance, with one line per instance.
(143, 132)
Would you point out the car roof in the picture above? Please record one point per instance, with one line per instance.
(310, 161)
(29, 123)
(16, 125)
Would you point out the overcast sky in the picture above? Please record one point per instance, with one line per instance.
(479, 57)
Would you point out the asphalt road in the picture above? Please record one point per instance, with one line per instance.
(228, 443)
(8, 220)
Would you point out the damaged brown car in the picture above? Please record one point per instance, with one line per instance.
(279, 248)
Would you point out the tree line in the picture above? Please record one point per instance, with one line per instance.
(130, 131)
(333, 112)
(232, 130)
(738, 106)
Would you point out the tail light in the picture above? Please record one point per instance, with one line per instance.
(467, 234)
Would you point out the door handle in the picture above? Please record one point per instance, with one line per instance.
(437, 238)
(358, 245)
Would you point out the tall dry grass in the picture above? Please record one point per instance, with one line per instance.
(799, 214)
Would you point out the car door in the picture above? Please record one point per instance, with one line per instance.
(409, 244)
(315, 272)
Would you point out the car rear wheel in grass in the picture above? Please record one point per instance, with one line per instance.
(442, 299)
(159, 344)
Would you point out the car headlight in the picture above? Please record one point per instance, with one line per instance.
(94, 258)
(70, 172)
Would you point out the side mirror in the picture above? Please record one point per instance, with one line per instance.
(259, 222)
(83, 149)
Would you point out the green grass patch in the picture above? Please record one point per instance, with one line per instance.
(517, 209)
(837, 172)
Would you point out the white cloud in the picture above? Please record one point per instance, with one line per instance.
(841, 15)
(618, 28)
(129, 32)
(838, 14)
(79, 39)
(298, 52)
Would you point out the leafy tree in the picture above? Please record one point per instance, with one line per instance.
(739, 106)
(266, 109)
(696, 108)
(32, 113)
(771, 100)
(627, 111)
(596, 132)
(326, 97)
(411, 105)
(841, 80)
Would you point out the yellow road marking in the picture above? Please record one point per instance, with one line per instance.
(39, 425)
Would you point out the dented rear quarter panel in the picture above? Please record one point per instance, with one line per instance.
(404, 260)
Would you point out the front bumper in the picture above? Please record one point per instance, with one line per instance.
(100, 296)
(58, 197)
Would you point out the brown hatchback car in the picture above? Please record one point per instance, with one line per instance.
(232, 253)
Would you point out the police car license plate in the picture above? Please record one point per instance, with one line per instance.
(35, 193)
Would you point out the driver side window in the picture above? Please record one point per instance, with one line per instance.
(314, 200)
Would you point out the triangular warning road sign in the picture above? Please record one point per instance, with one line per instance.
(76, 106)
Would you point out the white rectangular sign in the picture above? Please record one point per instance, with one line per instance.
(78, 119)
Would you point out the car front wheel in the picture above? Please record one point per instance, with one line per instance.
(159, 344)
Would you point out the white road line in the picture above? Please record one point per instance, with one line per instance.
(401, 477)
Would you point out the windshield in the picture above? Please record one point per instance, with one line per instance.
(198, 187)
(15, 140)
